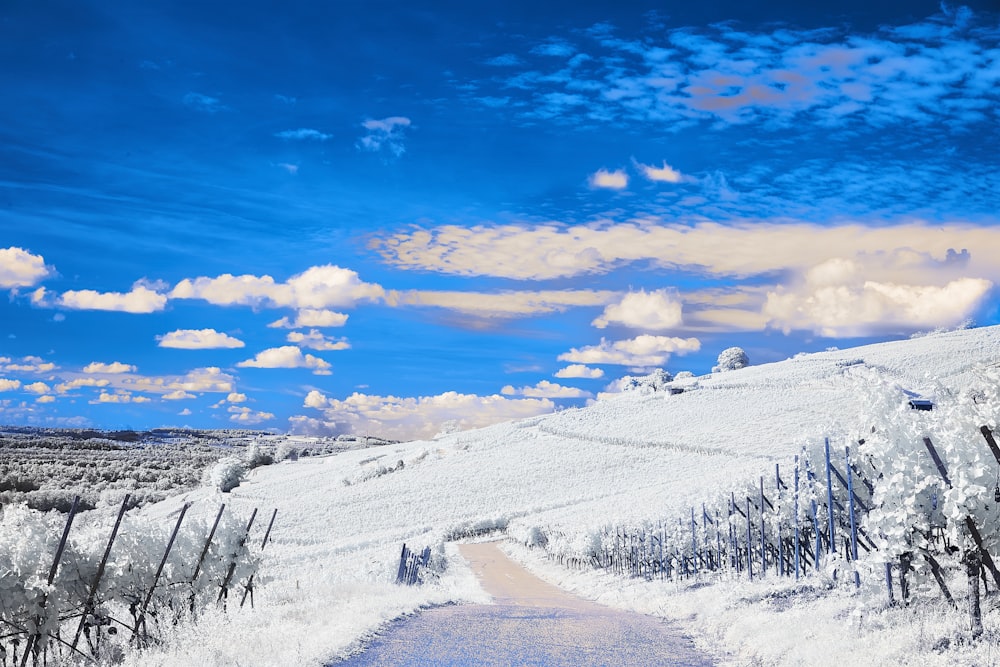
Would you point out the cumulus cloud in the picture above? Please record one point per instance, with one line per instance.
(545, 389)
(647, 311)
(664, 174)
(287, 356)
(20, 268)
(198, 339)
(47, 398)
(114, 367)
(609, 180)
(410, 418)
(315, 289)
(640, 352)
(235, 397)
(9, 385)
(37, 388)
(385, 135)
(244, 415)
(579, 371)
(837, 300)
(303, 134)
(120, 397)
(315, 340)
(502, 304)
(177, 395)
(140, 299)
(311, 317)
(29, 364)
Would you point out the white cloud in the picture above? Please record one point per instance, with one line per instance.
(292, 169)
(177, 395)
(311, 317)
(836, 302)
(235, 397)
(415, 417)
(19, 268)
(29, 364)
(647, 311)
(287, 356)
(384, 135)
(665, 174)
(502, 304)
(120, 397)
(198, 339)
(9, 385)
(247, 416)
(140, 300)
(317, 288)
(640, 352)
(114, 367)
(303, 133)
(77, 383)
(185, 412)
(610, 180)
(47, 398)
(37, 388)
(579, 371)
(317, 341)
(546, 389)
(898, 253)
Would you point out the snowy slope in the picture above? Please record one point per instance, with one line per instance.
(629, 457)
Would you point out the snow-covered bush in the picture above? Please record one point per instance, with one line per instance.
(655, 381)
(285, 451)
(227, 474)
(731, 359)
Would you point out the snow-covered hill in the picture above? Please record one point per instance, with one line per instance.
(629, 457)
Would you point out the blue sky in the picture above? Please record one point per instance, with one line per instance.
(393, 218)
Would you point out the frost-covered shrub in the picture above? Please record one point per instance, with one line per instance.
(227, 474)
(257, 456)
(655, 381)
(285, 451)
(731, 359)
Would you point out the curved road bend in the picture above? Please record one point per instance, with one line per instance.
(531, 623)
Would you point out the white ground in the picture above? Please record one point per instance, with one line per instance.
(627, 458)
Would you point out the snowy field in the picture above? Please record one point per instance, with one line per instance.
(627, 458)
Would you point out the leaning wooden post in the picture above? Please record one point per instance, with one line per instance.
(829, 499)
(32, 645)
(224, 590)
(749, 542)
(854, 525)
(263, 543)
(208, 543)
(798, 545)
(694, 542)
(763, 532)
(973, 565)
(88, 606)
(159, 570)
(781, 544)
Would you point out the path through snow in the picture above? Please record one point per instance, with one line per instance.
(531, 623)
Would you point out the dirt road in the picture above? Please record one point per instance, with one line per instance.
(531, 623)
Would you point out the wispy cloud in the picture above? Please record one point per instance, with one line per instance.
(315, 340)
(141, 300)
(303, 134)
(385, 135)
(311, 317)
(198, 339)
(664, 174)
(114, 368)
(545, 389)
(501, 305)
(941, 69)
(204, 103)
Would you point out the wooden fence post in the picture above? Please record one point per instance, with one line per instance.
(141, 617)
(829, 499)
(854, 525)
(798, 545)
(33, 637)
(88, 606)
